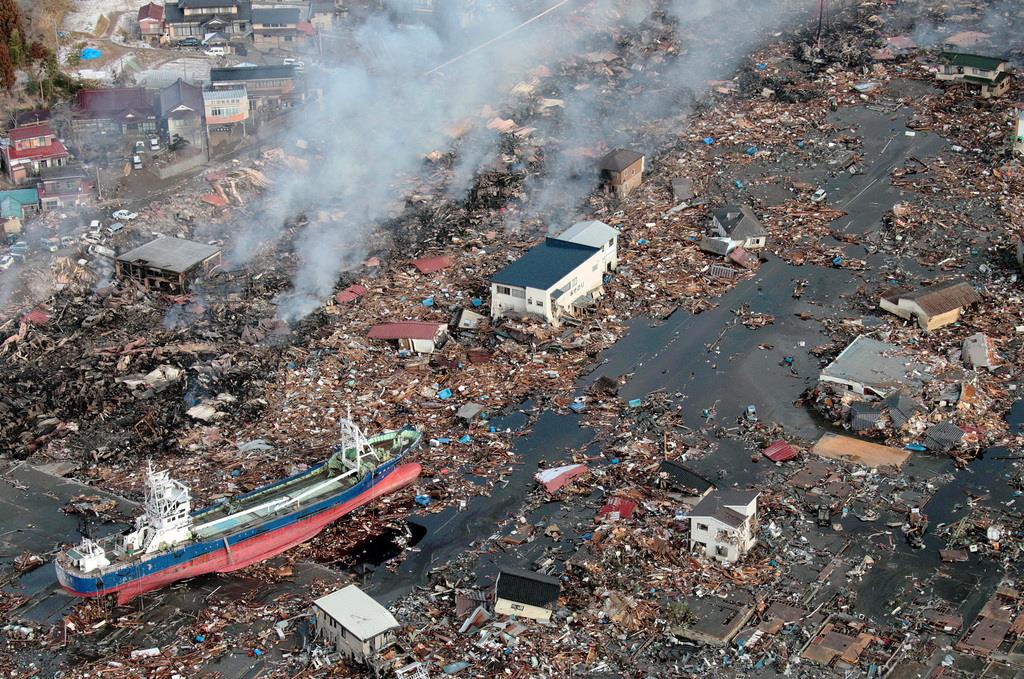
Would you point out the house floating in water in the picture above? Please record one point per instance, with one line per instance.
(933, 306)
(987, 75)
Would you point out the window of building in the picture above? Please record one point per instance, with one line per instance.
(702, 526)
(504, 290)
(722, 551)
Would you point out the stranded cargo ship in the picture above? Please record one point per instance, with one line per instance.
(170, 542)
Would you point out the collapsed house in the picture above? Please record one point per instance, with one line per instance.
(526, 594)
(933, 307)
(872, 368)
(168, 264)
(423, 337)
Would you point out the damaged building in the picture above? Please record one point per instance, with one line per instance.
(169, 264)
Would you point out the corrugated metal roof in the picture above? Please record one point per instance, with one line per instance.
(30, 131)
(943, 436)
(779, 451)
(592, 233)
(421, 330)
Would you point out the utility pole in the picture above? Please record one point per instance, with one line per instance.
(822, 10)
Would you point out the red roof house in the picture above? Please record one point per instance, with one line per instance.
(151, 19)
(32, 148)
(779, 451)
(432, 264)
(419, 336)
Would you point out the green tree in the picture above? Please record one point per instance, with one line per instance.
(16, 46)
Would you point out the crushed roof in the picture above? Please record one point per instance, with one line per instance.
(942, 298)
(544, 264)
(170, 254)
(420, 330)
(901, 408)
(875, 364)
(619, 159)
(683, 477)
(980, 351)
(357, 612)
(943, 436)
(739, 221)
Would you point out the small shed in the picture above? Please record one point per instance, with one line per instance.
(423, 337)
(526, 594)
(354, 623)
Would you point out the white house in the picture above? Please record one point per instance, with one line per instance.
(597, 235)
(724, 524)
(738, 225)
(551, 280)
(354, 623)
(1018, 133)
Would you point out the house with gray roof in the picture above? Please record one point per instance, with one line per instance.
(872, 368)
(739, 225)
(622, 170)
(597, 235)
(723, 525)
(168, 264)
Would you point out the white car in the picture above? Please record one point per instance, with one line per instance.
(92, 238)
(125, 215)
(6, 262)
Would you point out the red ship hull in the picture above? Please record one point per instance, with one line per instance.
(263, 546)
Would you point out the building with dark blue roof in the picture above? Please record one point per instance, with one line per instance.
(553, 279)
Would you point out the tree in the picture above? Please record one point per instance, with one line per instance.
(37, 51)
(11, 22)
(16, 46)
(7, 77)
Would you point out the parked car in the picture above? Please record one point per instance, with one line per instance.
(189, 42)
(51, 244)
(140, 147)
(124, 215)
(751, 414)
(154, 143)
(92, 238)
(137, 162)
(6, 262)
(819, 196)
(67, 241)
(19, 248)
(215, 51)
(114, 228)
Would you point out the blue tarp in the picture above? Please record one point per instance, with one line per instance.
(90, 53)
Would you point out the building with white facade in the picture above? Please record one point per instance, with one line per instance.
(724, 524)
(739, 226)
(552, 280)
(354, 623)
